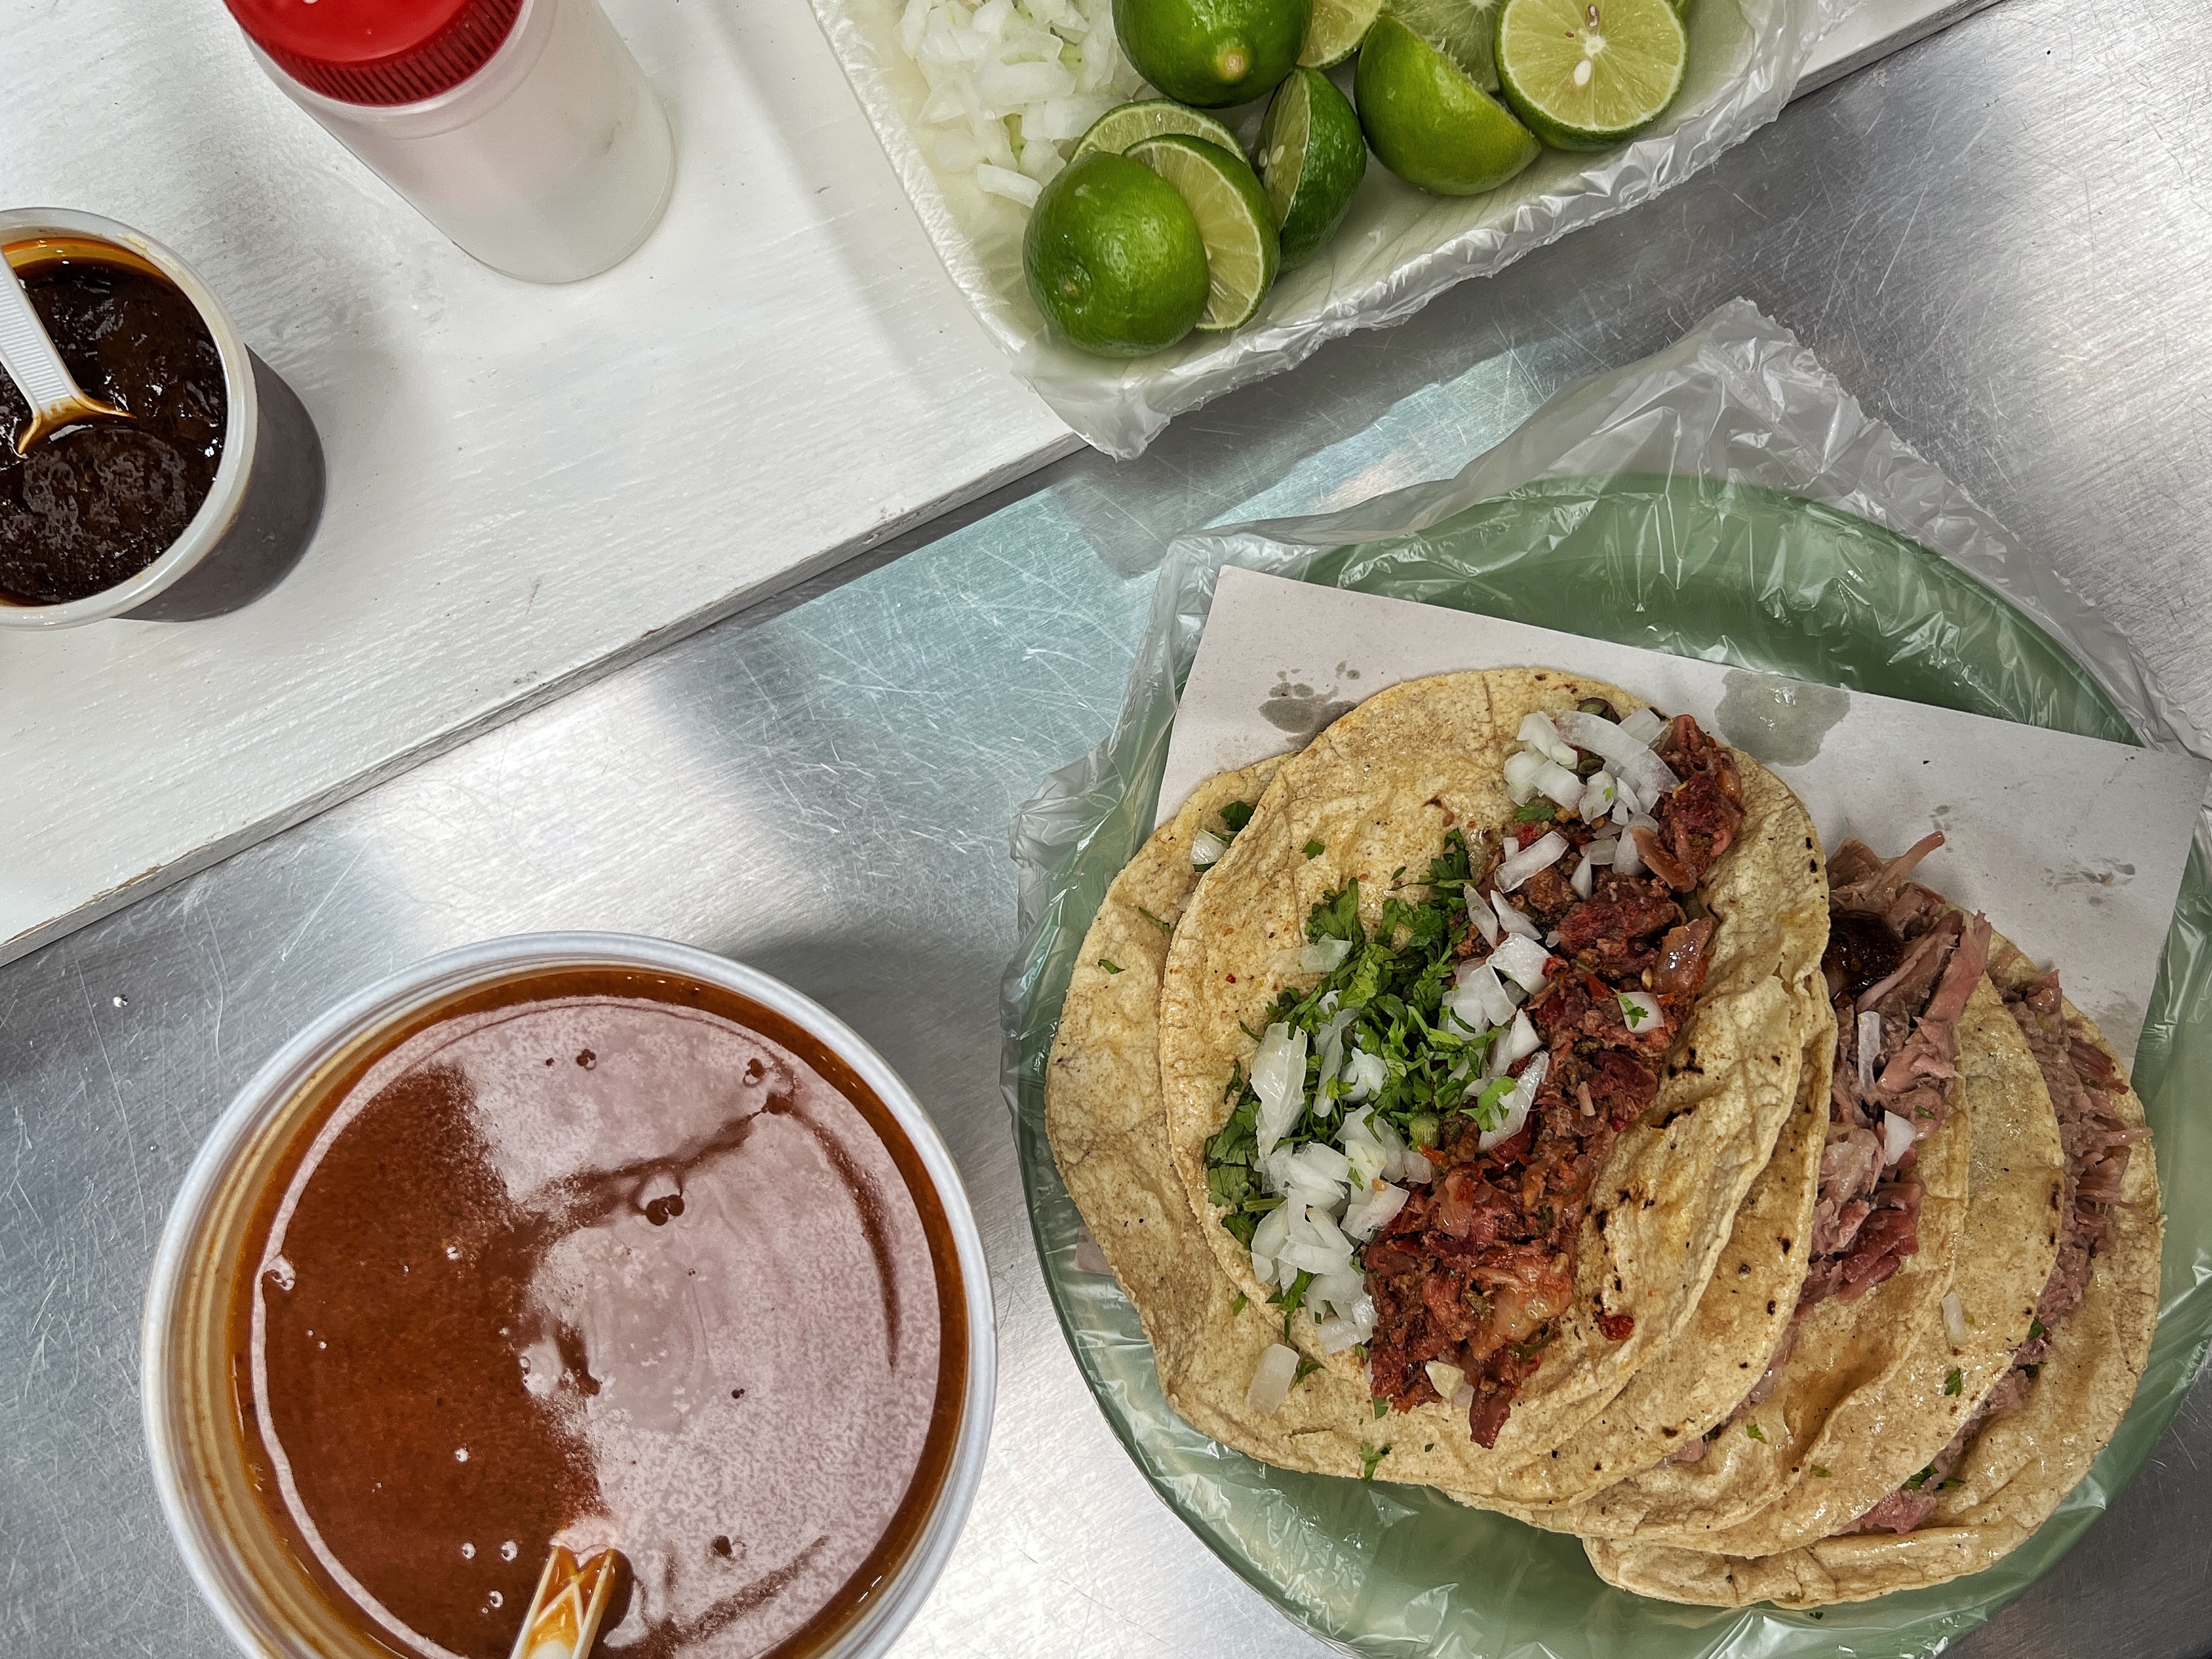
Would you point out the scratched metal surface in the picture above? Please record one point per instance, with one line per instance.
(1998, 238)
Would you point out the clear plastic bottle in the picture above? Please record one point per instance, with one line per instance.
(523, 129)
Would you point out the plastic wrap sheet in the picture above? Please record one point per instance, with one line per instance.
(1728, 500)
(1398, 248)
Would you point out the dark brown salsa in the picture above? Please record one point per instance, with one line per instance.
(94, 504)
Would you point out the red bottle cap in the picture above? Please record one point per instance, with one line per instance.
(378, 51)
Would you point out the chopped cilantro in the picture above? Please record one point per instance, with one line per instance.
(1314, 849)
(1755, 1432)
(1382, 1408)
(1164, 927)
(2036, 1329)
(1820, 1472)
(2032, 1372)
(1634, 1012)
(1306, 1369)
(1369, 1457)
(1291, 1300)
(1536, 811)
(1109, 965)
(1238, 1306)
(1237, 815)
(1920, 1479)
(1954, 1382)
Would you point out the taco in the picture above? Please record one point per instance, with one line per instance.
(1474, 1041)
(1220, 1355)
(1946, 1075)
(1104, 1111)
(1700, 1378)
(2033, 1437)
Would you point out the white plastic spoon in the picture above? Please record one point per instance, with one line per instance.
(28, 355)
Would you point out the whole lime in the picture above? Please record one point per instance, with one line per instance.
(1113, 258)
(1212, 53)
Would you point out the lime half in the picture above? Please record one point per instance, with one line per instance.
(1148, 118)
(1212, 53)
(1234, 220)
(1113, 258)
(1584, 73)
(1312, 156)
(1337, 29)
(1428, 120)
(1465, 31)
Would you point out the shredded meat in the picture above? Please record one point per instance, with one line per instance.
(1478, 1268)
(2083, 1081)
(1867, 1210)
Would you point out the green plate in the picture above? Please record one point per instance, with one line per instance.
(1728, 574)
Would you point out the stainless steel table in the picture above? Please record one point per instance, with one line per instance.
(2001, 238)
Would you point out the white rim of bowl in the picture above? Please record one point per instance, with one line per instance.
(240, 425)
(206, 1554)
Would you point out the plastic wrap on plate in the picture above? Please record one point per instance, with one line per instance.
(1726, 499)
(1397, 249)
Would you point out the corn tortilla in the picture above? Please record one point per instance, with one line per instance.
(1373, 795)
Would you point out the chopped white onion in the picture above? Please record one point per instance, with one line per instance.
(1640, 1011)
(1370, 1162)
(1370, 1210)
(1518, 1099)
(1603, 852)
(1869, 1051)
(1323, 956)
(1413, 1167)
(1541, 854)
(1628, 758)
(1564, 786)
(1014, 186)
(1271, 1378)
(1205, 849)
(1541, 735)
(1522, 766)
(1480, 913)
(1955, 1319)
(1279, 1078)
(1270, 1236)
(1625, 858)
(1366, 1073)
(1645, 725)
(1897, 1137)
(1335, 1335)
(1519, 1041)
(1446, 1378)
(1511, 920)
(1477, 992)
(1324, 1162)
(1585, 874)
(1463, 1397)
(1599, 794)
(1013, 83)
(1338, 1292)
(1522, 960)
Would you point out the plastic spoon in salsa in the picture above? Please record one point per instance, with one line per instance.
(27, 353)
(564, 1620)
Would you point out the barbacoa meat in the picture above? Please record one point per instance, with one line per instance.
(2083, 1082)
(1479, 1267)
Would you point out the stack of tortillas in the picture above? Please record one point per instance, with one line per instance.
(1709, 1238)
